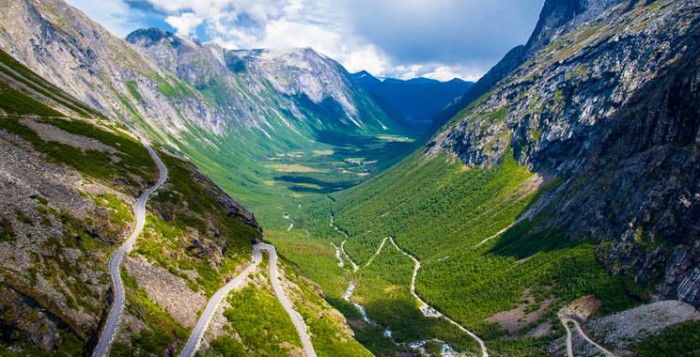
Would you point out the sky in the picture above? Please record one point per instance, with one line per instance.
(440, 39)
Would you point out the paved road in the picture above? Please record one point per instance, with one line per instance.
(427, 309)
(109, 331)
(296, 318)
(204, 320)
(569, 344)
(203, 323)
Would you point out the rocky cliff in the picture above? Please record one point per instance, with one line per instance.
(606, 101)
(557, 18)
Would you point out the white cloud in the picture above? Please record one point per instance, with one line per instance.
(185, 23)
(115, 15)
(440, 39)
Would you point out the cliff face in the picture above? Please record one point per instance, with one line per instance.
(609, 105)
(557, 18)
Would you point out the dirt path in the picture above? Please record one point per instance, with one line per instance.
(355, 268)
(379, 250)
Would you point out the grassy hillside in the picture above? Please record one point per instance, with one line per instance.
(273, 177)
(449, 217)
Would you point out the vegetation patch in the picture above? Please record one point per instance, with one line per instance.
(287, 168)
(261, 322)
(162, 333)
(682, 340)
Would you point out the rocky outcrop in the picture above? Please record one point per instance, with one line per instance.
(557, 18)
(167, 290)
(610, 106)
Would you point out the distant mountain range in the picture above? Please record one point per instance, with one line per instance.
(415, 101)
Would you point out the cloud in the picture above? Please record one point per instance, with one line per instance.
(116, 15)
(439, 39)
(185, 23)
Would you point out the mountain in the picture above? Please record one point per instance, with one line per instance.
(416, 100)
(560, 193)
(68, 183)
(567, 190)
(265, 88)
(557, 19)
(263, 124)
(585, 121)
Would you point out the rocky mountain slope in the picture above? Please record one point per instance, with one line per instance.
(177, 83)
(610, 107)
(557, 18)
(416, 100)
(67, 188)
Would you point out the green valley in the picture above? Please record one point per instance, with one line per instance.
(174, 193)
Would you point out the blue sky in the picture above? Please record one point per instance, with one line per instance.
(439, 39)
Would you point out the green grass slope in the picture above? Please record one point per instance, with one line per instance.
(449, 216)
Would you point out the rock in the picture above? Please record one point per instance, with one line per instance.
(170, 292)
(622, 329)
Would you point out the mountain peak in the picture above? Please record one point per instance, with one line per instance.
(150, 36)
(365, 78)
(301, 53)
(558, 17)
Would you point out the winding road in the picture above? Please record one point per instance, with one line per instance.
(197, 333)
(205, 319)
(295, 316)
(569, 335)
(430, 311)
(111, 326)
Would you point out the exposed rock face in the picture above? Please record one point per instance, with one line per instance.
(620, 330)
(611, 106)
(298, 86)
(557, 18)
